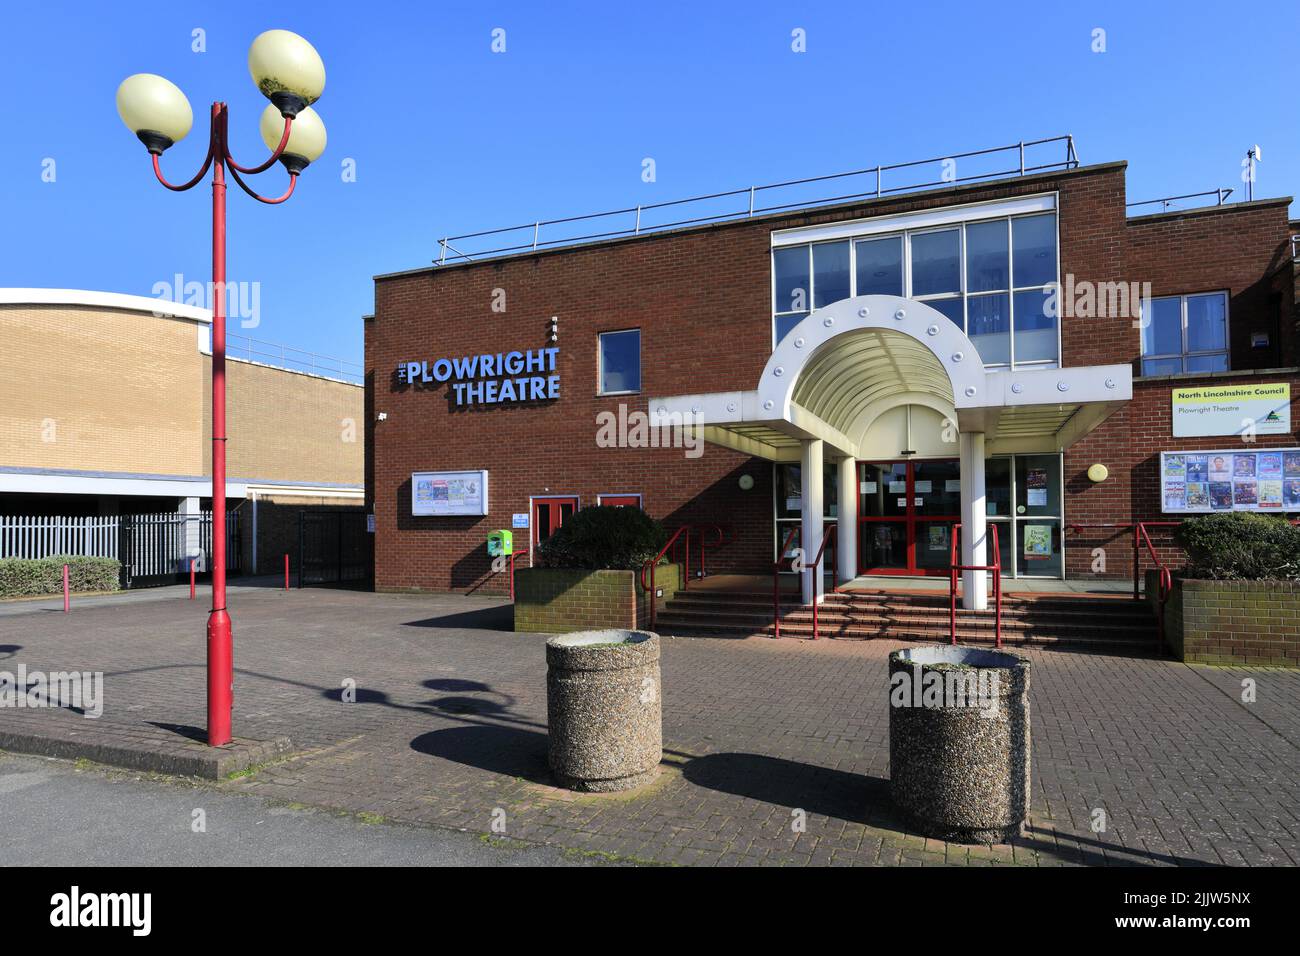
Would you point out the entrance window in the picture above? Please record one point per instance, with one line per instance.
(1023, 497)
(789, 500)
(994, 278)
(1187, 333)
(906, 510)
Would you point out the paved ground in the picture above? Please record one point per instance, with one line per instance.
(448, 728)
(76, 816)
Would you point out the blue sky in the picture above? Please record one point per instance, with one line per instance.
(448, 137)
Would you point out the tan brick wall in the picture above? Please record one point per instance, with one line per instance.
(284, 426)
(116, 390)
(1235, 622)
(560, 600)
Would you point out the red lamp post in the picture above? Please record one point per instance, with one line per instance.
(290, 74)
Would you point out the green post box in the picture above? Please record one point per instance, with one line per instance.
(500, 543)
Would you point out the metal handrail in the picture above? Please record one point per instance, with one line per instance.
(777, 566)
(1166, 577)
(1131, 526)
(638, 227)
(819, 580)
(650, 565)
(516, 551)
(995, 567)
(1220, 195)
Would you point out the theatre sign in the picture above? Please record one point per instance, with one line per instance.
(490, 379)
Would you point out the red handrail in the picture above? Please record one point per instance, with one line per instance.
(686, 529)
(512, 568)
(1166, 577)
(776, 579)
(819, 581)
(996, 567)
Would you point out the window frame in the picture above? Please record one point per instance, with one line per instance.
(1185, 354)
(600, 362)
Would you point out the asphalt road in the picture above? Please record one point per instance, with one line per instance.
(54, 813)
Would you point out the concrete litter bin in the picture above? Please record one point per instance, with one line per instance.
(959, 741)
(603, 709)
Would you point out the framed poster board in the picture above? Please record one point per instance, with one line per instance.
(449, 493)
(1201, 482)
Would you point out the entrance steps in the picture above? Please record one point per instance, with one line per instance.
(1028, 620)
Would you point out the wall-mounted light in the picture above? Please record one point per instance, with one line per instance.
(1098, 473)
(746, 482)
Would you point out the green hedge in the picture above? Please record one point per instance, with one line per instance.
(1241, 545)
(599, 538)
(27, 576)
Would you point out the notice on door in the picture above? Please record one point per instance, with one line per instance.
(1263, 409)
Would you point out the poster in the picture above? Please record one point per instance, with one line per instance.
(1038, 541)
(449, 493)
(1266, 480)
(1263, 409)
(1036, 483)
(938, 537)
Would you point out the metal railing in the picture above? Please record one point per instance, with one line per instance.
(954, 569)
(819, 577)
(683, 536)
(293, 359)
(777, 567)
(1220, 196)
(632, 220)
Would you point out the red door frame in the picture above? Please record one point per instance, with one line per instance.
(910, 522)
(553, 516)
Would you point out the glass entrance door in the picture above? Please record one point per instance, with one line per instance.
(906, 510)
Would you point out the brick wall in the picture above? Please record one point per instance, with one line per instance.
(1235, 622)
(560, 600)
(286, 426)
(96, 389)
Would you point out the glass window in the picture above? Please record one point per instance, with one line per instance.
(997, 488)
(830, 272)
(953, 308)
(988, 324)
(620, 362)
(1033, 244)
(1163, 335)
(789, 491)
(987, 261)
(1186, 333)
(1207, 323)
(1035, 326)
(790, 267)
(1038, 485)
(784, 323)
(936, 262)
(880, 266)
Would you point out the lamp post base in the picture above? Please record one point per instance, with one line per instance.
(221, 678)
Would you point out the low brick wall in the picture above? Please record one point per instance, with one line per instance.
(559, 600)
(1234, 622)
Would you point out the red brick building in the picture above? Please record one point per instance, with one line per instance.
(1030, 323)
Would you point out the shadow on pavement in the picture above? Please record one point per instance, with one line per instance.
(510, 751)
(481, 619)
(786, 783)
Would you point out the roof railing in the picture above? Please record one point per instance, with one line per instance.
(1220, 196)
(293, 359)
(528, 236)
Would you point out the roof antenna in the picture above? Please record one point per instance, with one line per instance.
(1248, 170)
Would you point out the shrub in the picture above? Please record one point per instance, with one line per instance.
(20, 577)
(1240, 545)
(603, 537)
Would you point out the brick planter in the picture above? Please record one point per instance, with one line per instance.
(560, 600)
(1234, 622)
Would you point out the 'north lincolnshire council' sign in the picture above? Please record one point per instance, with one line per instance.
(1263, 409)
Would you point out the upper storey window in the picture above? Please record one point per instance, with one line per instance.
(993, 277)
(1185, 333)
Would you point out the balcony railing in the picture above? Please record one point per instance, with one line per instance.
(293, 359)
(1016, 159)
